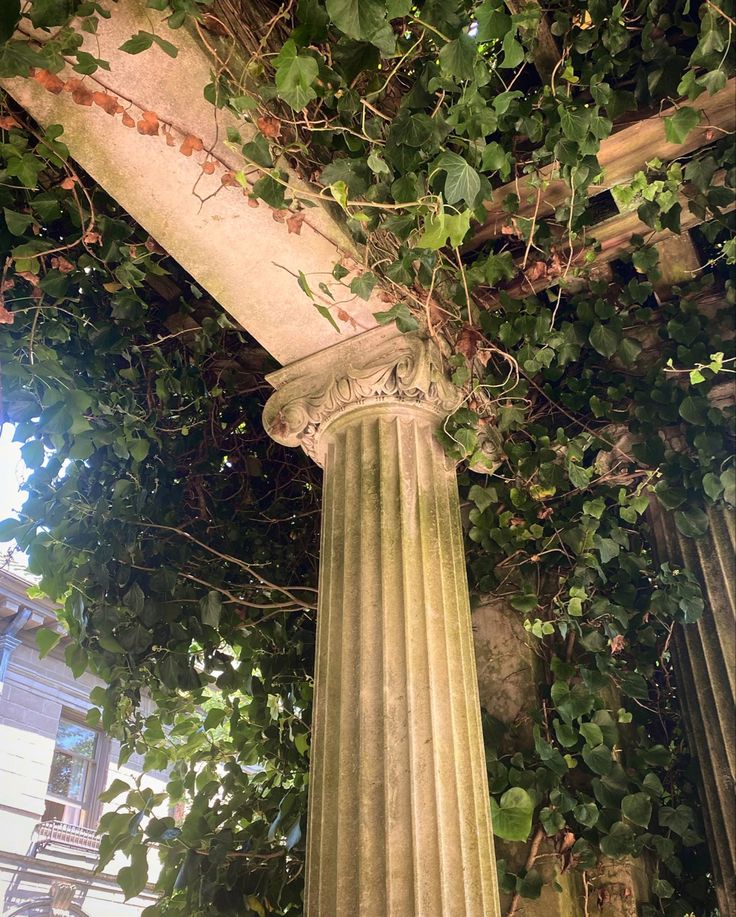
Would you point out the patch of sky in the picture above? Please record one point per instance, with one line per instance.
(13, 474)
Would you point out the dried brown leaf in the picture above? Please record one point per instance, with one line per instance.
(80, 94)
(49, 81)
(107, 102)
(148, 124)
(269, 126)
(294, 222)
(190, 144)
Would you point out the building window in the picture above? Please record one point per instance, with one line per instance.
(78, 771)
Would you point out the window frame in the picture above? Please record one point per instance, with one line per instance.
(95, 777)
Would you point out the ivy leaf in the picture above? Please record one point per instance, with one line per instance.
(33, 454)
(434, 234)
(604, 339)
(728, 480)
(76, 658)
(531, 885)
(400, 314)
(679, 125)
(457, 225)
(325, 313)
(498, 268)
(575, 122)
(714, 81)
(566, 734)
(662, 888)
(293, 835)
(46, 640)
(295, 76)
(458, 57)
(598, 758)
(269, 189)
(512, 816)
(628, 350)
(634, 685)
(211, 609)
(139, 449)
(525, 602)
(16, 222)
(377, 164)
(399, 8)
(619, 842)
(586, 813)
(513, 52)
(258, 151)
(47, 13)
(492, 22)
(339, 191)
(497, 159)
(166, 46)
(591, 733)
(677, 820)
(363, 285)
(462, 182)
(364, 20)
(693, 410)
(483, 497)
(114, 790)
(140, 42)
(692, 521)
(132, 879)
(637, 808)
(439, 227)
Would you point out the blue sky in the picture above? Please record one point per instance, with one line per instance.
(12, 474)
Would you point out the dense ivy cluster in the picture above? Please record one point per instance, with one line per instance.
(155, 492)
(156, 497)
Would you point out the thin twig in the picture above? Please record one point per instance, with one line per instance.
(533, 853)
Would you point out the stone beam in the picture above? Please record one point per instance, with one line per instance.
(244, 256)
(399, 820)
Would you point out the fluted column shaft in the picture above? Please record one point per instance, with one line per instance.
(399, 821)
(704, 662)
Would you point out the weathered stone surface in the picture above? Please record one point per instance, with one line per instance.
(704, 660)
(509, 676)
(399, 822)
(247, 260)
(381, 367)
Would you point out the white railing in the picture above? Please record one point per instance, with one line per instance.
(57, 832)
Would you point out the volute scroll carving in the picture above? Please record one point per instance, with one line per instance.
(380, 366)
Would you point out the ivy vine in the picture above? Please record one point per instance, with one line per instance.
(183, 543)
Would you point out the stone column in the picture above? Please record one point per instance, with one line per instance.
(704, 662)
(399, 821)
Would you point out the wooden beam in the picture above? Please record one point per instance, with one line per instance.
(621, 156)
(614, 236)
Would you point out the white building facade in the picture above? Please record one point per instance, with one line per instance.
(53, 767)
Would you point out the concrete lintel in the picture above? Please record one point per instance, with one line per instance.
(240, 254)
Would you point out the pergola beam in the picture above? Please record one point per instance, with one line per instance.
(621, 156)
(614, 237)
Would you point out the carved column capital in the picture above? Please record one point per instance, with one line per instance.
(380, 367)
